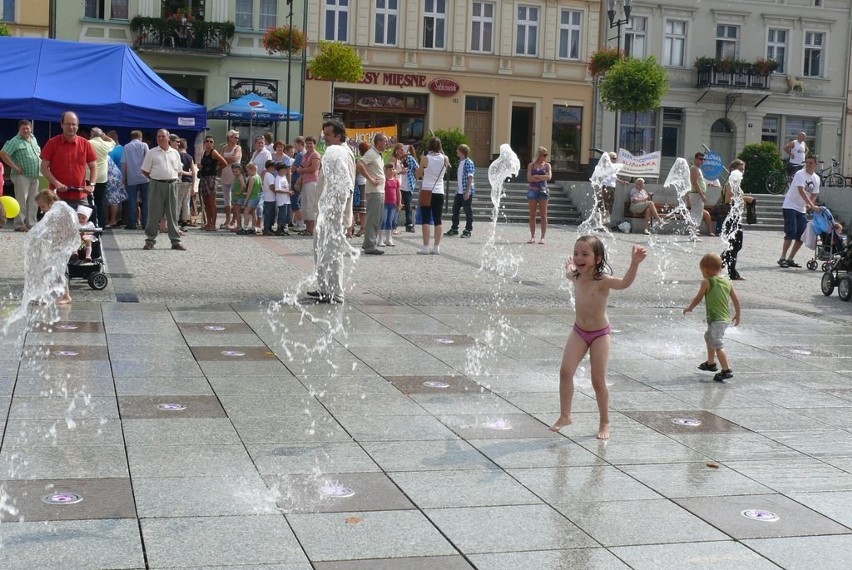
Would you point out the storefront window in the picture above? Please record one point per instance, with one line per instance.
(567, 131)
(638, 131)
(362, 109)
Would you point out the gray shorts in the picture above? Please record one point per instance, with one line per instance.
(715, 335)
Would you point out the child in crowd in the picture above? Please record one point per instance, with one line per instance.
(393, 199)
(282, 198)
(270, 206)
(238, 194)
(588, 269)
(716, 291)
(86, 239)
(55, 251)
(254, 186)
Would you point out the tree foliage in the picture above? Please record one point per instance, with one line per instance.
(4, 30)
(450, 141)
(337, 61)
(761, 159)
(634, 85)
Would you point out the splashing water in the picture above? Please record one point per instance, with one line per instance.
(678, 179)
(732, 222)
(605, 170)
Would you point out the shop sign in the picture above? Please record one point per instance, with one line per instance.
(343, 99)
(444, 87)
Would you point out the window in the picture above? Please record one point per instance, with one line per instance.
(434, 24)
(8, 14)
(814, 45)
(638, 131)
(674, 46)
(634, 37)
(482, 27)
(337, 20)
(672, 124)
(527, 40)
(567, 138)
(570, 28)
(268, 16)
(776, 48)
(726, 41)
(96, 9)
(769, 130)
(387, 12)
(795, 125)
(118, 10)
(243, 15)
(93, 9)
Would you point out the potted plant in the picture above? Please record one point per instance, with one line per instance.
(765, 66)
(286, 39)
(603, 59)
(704, 62)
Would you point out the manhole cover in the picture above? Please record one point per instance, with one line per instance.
(171, 407)
(499, 424)
(214, 328)
(690, 422)
(66, 353)
(62, 498)
(435, 384)
(760, 515)
(233, 353)
(336, 490)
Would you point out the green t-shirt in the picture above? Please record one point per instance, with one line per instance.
(716, 299)
(254, 187)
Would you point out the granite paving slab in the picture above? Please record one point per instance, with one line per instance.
(549, 452)
(64, 352)
(434, 384)
(165, 497)
(189, 461)
(68, 462)
(180, 431)
(468, 488)
(453, 454)
(56, 433)
(836, 505)
(726, 555)
(162, 386)
(71, 499)
(368, 535)
(761, 516)
(694, 480)
(64, 386)
(214, 328)
(420, 563)
(582, 484)
(337, 493)
(75, 406)
(573, 559)
(795, 475)
(169, 407)
(684, 421)
(306, 458)
(801, 553)
(229, 354)
(394, 428)
(255, 539)
(497, 426)
(69, 327)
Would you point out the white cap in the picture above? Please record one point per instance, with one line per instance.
(85, 210)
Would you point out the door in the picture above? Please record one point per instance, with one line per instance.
(722, 140)
(521, 133)
(477, 126)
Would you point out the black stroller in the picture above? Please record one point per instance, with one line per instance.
(92, 271)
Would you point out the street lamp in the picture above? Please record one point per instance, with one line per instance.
(626, 8)
(289, 70)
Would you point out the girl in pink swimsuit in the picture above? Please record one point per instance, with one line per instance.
(588, 269)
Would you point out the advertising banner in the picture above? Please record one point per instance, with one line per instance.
(647, 164)
(356, 136)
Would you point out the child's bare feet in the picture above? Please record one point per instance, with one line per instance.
(603, 431)
(561, 423)
(64, 300)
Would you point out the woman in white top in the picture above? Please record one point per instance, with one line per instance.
(232, 152)
(433, 166)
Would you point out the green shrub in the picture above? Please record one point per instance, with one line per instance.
(450, 141)
(761, 159)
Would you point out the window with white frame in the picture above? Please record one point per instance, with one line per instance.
(118, 9)
(776, 48)
(91, 9)
(769, 129)
(634, 36)
(96, 9)
(337, 20)
(527, 30)
(570, 30)
(268, 14)
(8, 14)
(482, 27)
(434, 24)
(243, 15)
(638, 131)
(814, 46)
(387, 13)
(674, 44)
(726, 41)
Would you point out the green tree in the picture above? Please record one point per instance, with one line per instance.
(450, 141)
(336, 61)
(761, 159)
(4, 30)
(634, 85)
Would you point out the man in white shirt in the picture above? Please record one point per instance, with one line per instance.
(797, 150)
(162, 166)
(801, 198)
(372, 167)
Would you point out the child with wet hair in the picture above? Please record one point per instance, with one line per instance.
(589, 272)
(717, 293)
(86, 239)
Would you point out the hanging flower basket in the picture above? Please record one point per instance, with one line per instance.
(765, 66)
(285, 39)
(602, 60)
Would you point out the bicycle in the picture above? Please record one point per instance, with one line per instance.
(777, 181)
(831, 176)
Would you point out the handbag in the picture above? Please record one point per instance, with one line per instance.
(426, 195)
(297, 187)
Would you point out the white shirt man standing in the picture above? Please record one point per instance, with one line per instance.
(801, 198)
(162, 166)
(797, 150)
(372, 167)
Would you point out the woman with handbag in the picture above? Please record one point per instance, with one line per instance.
(433, 165)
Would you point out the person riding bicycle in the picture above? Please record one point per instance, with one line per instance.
(797, 150)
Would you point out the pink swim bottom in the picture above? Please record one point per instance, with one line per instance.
(590, 336)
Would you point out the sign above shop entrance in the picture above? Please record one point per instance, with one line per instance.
(444, 86)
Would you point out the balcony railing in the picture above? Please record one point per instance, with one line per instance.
(181, 34)
(746, 78)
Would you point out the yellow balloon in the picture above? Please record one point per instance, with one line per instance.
(10, 205)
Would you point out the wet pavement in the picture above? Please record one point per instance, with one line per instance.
(164, 423)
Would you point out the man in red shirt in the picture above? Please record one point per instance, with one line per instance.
(64, 160)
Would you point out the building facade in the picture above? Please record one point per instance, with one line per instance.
(503, 72)
(210, 51)
(720, 95)
(26, 18)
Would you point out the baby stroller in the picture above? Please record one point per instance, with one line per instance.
(829, 243)
(92, 271)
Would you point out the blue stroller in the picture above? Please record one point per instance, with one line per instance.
(829, 242)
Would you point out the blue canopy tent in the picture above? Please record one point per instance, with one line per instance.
(253, 107)
(103, 83)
